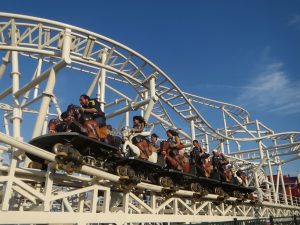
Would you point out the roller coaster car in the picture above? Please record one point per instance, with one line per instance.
(239, 192)
(144, 170)
(75, 148)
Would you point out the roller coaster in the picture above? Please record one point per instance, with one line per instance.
(125, 83)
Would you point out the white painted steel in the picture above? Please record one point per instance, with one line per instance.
(32, 196)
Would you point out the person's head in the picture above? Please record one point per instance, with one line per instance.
(84, 99)
(215, 152)
(138, 120)
(241, 174)
(228, 166)
(195, 143)
(154, 137)
(64, 116)
(171, 133)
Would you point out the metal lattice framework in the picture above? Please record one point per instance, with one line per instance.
(49, 49)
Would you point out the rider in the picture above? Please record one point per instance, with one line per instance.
(197, 157)
(195, 153)
(176, 151)
(91, 107)
(139, 140)
(219, 162)
(241, 178)
(138, 127)
(153, 140)
(175, 143)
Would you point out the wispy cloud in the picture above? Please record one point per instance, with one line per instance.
(295, 21)
(272, 91)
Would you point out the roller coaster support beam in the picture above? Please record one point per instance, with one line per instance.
(153, 98)
(5, 93)
(193, 133)
(132, 106)
(16, 118)
(171, 126)
(192, 124)
(103, 79)
(226, 131)
(262, 156)
(48, 93)
(5, 61)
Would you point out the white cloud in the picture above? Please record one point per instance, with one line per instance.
(272, 91)
(295, 21)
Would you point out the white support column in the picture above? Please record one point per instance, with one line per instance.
(152, 98)
(38, 73)
(126, 202)
(277, 183)
(127, 116)
(144, 96)
(103, 79)
(193, 133)
(94, 200)
(5, 121)
(95, 82)
(55, 103)
(291, 195)
(226, 132)
(45, 126)
(15, 75)
(271, 175)
(192, 124)
(16, 119)
(47, 95)
(283, 184)
(106, 201)
(206, 143)
(222, 145)
(5, 61)
(48, 189)
(260, 147)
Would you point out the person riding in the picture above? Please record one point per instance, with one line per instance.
(91, 109)
(197, 157)
(175, 143)
(175, 155)
(138, 127)
(219, 162)
(241, 178)
(139, 138)
(195, 153)
(153, 142)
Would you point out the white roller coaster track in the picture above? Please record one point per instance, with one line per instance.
(33, 196)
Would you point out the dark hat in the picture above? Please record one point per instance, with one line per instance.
(154, 135)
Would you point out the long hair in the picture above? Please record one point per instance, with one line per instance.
(173, 132)
(140, 119)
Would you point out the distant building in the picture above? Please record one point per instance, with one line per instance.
(292, 185)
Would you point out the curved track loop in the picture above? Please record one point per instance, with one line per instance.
(41, 36)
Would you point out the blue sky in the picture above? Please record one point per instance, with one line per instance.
(245, 53)
(242, 52)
